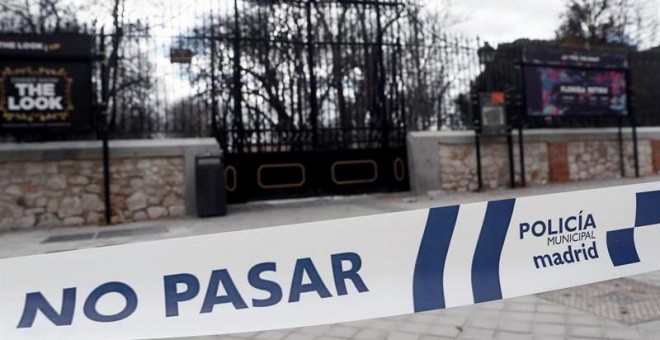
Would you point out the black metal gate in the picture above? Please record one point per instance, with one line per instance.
(309, 98)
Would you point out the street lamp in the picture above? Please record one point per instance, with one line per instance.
(486, 54)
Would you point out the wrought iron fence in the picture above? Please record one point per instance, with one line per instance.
(308, 74)
(288, 75)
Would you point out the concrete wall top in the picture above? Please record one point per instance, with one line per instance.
(538, 135)
(53, 151)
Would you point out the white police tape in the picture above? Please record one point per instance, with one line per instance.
(333, 271)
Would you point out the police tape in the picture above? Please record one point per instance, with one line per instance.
(333, 271)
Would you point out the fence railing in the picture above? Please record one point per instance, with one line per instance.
(297, 75)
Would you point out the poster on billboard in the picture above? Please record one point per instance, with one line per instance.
(45, 82)
(575, 84)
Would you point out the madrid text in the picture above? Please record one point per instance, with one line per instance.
(576, 231)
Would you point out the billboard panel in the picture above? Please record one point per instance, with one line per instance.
(562, 91)
(45, 81)
(47, 95)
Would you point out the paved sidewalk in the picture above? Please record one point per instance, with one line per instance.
(634, 301)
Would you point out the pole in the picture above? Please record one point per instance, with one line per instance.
(620, 139)
(380, 80)
(512, 175)
(313, 104)
(635, 151)
(103, 129)
(477, 142)
(238, 98)
(521, 105)
(521, 151)
(633, 120)
(214, 103)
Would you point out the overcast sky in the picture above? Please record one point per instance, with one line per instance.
(506, 20)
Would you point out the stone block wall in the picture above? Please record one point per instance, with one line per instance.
(458, 165)
(50, 194)
(149, 181)
(550, 156)
(70, 193)
(589, 160)
(147, 189)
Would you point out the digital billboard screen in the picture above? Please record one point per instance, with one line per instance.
(563, 82)
(558, 91)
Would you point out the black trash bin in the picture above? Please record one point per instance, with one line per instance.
(210, 186)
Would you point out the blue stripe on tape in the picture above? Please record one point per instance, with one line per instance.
(621, 246)
(621, 243)
(486, 261)
(648, 208)
(428, 287)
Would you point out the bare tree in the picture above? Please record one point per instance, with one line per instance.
(599, 22)
(42, 16)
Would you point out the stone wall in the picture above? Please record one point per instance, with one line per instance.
(70, 193)
(147, 189)
(550, 156)
(149, 180)
(458, 165)
(589, 160)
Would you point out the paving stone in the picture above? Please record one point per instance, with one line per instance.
(446, 331)
(484, 322)
(316, 330)
(586, 320)
(549, 318)
(298, 336)
(433, 337)
(451, 320)
(271, 335)
(413, 327)
(476, 334)
(623, 299)
(341, 331)
(493, 305)
(520, 307)
(532, 299)
(424, 317)
(491, 314)
(518, 316)
(370, 334)
(515, 326)
(549, 329)
(622, 333)
(585, 331)
(512, 336)
(553, 309)
(385, 324)
(402, 336)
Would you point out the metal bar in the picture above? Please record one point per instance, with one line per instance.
(621, 156)
(103, 127)
(522, 107)
(312, 77)
(633, 120)
(380, 79)
(635, 151)
(214, 102)
(477, 142)
(521, 151)
(237, 89)
(512, 175)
